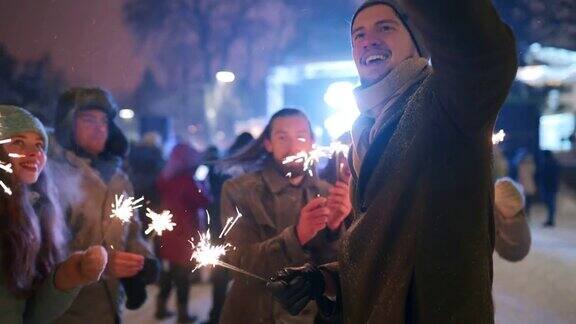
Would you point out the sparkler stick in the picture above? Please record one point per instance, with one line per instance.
(244, 272)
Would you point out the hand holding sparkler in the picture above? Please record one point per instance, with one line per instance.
(339, 204)
(124, 264)
(313, 218)
(93, 263)
(81, 268)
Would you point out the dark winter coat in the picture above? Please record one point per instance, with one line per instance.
(420, 250)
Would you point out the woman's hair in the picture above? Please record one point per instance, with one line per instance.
(254, 154)
(32, 232)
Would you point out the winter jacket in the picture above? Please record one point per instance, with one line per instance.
(89, 221)
(180, 195)
(420, 249)
(265, 240)
(46, 304)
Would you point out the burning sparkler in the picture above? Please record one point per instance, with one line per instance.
(204, 253)
(498, 137)
(5, 141)
(16, 155)
(207, 254)
(160, 222)
(123, 209)
(308, 159)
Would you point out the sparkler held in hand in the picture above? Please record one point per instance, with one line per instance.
(310, 158)
(204, 253)
(160, 222)
(123, 209)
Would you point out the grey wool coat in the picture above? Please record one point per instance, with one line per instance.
(266, 241)
(420, 249)
(90, 203)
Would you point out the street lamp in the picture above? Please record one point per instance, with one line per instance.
(225, 76)
(126, 113)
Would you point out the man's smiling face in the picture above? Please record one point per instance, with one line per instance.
(380, 42)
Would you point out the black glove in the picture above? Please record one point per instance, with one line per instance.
(135, 287)
(293, 288)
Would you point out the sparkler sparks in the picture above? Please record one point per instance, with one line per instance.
(498, 137)
(7, 167)
(308, 159)
(230, 222)
(160, 222)
(123, 209)
(5, 187)
(5, 141)
(207, 254)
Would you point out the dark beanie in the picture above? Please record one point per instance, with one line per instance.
(416, 37)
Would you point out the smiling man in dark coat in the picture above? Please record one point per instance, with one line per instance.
(420, 248)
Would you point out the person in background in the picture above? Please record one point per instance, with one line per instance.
(180, 195)
(219, 276)
(93, 148)
(240, 143)
(146, 161)
(37, 282)
(548, 179)
(289, 217)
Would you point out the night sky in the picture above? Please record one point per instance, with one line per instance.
(86, 39)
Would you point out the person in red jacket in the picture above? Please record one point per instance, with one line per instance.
(179, 194)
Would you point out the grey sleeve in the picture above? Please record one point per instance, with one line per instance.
(513, 238)
(473, 56)
(48, 303)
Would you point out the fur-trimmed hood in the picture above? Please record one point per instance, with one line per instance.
(78, 99)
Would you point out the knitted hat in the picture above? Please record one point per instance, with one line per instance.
(15, 120)
(416, 37)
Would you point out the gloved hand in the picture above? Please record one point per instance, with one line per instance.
(508, 197)
(294, 287)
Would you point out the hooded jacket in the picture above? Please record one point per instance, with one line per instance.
(90, 185)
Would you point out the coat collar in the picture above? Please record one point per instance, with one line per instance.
(387, 148)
